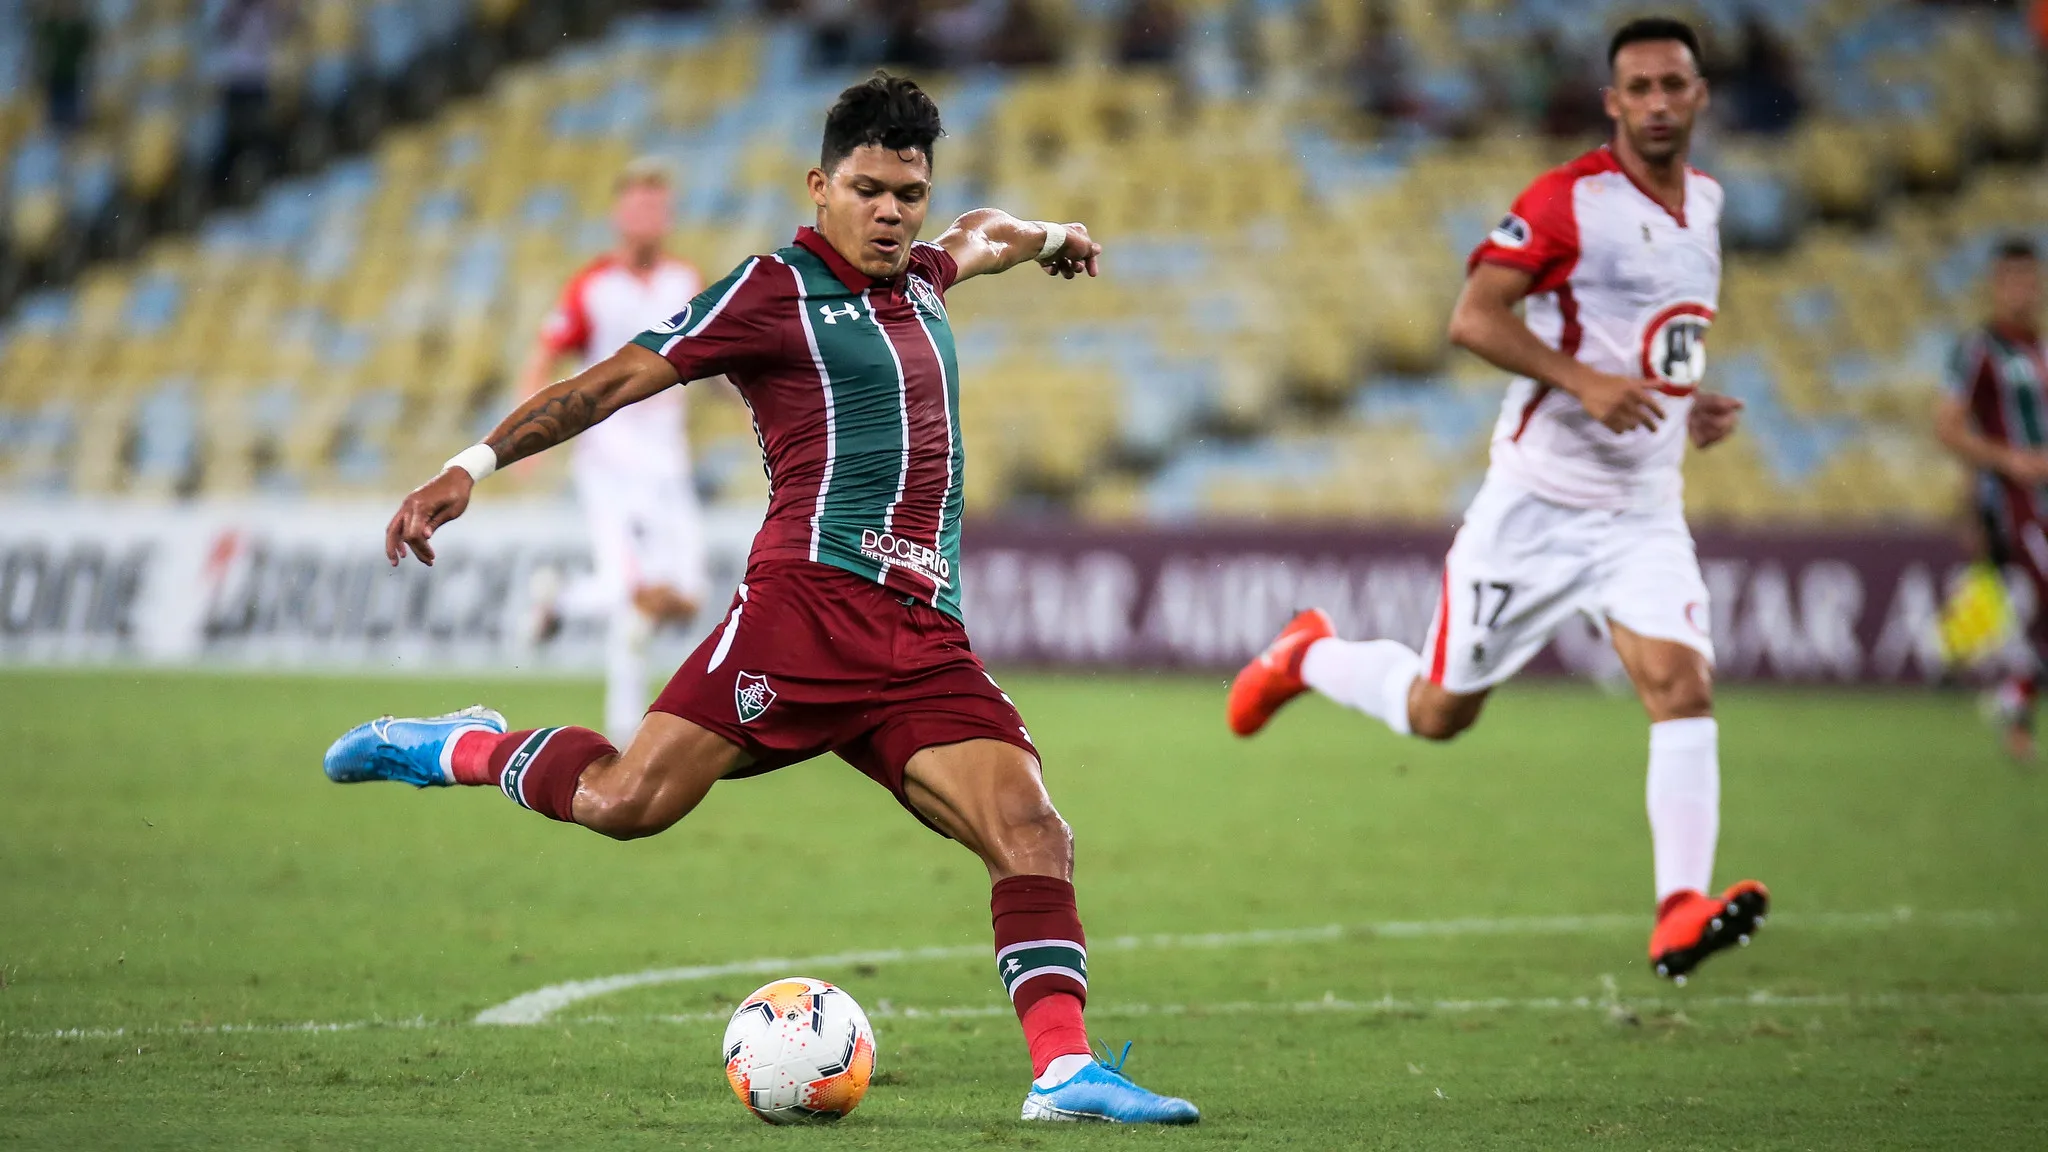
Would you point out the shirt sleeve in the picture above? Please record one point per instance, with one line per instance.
(1965, 363)
(936, 263)
(727, 327)
(567, 327)
(1539, 235)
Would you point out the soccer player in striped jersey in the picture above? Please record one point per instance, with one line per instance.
(845, 635)
(1616, 260)
(1994, 418)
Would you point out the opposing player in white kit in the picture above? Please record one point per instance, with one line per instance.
(1617, 258)
(632, 472)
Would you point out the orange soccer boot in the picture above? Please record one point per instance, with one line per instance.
(1274, 677)
(1692, 926)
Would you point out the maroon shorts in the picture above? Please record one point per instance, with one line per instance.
(812, 659)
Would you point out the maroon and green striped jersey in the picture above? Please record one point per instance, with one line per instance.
(855, 393)
(2001, 374)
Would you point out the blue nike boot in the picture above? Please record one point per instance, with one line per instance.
(411, 751)
(1100, 1092)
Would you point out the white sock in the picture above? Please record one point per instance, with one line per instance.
(1061, 1070)
(1373, 676)
(625, 674)
(1685, 803)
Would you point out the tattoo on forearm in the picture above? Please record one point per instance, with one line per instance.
(543, 425)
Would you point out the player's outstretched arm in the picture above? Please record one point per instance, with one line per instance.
(1952, 426)
(990, 240)
(540, 422)
(1484, 323)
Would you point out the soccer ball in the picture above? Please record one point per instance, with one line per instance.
(799, 1049)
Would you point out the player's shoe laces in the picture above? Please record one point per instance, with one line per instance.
(1274, 677)
(1100, 1092)
(1692, 926)
(411, 751)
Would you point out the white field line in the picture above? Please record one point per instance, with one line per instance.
(308, 1027)
(1390, 1005)
(537, 1006)
(1609, 1002)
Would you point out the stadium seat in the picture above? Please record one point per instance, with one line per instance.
(1274, 276)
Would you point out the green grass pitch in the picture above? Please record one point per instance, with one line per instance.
(183, 896)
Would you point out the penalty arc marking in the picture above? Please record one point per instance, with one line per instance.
(539, 1005)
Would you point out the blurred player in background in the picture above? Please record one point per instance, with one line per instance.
(846, 634)
(1617, 256)
(632, 472)
(1994, 418)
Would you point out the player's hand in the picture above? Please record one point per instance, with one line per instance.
(1622, 403)
(1713, 418)
(424, 509)
(1079, 255)
(2027, 468)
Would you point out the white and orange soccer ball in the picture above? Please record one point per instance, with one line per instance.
(799, 1050)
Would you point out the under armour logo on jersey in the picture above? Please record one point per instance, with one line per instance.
(834, 316)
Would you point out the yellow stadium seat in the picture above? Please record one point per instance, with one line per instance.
(36, 221)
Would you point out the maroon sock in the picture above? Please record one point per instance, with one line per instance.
(1042, 957)
(538, 767)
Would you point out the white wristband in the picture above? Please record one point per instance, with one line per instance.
(479, 460)
(1055, 239)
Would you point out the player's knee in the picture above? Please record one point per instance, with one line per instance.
(1048, 830)
(1439, 723)
(1678, 693)
(1035, 841)
(1437, 715)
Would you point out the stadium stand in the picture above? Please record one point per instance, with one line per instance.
(123, 118)
(1289, 189)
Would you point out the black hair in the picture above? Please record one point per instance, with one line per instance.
(1654, 28)
(2016, 248)
(888, 110)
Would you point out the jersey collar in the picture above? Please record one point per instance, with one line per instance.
(1613, 161)
(810, 241)
(2015, 333)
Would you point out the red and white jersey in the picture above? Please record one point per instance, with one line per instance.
(600, 311)
(1627, 286)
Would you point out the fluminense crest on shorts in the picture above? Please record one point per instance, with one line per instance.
(751, 696)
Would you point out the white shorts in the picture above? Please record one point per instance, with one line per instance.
(1521, 567)
(644, 531)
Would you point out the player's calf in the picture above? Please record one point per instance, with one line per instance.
(1674, 681)
(569, 774)
(1439, 714)
(663, 604)
(1381, 678)
(659, 779)
(990, 796)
